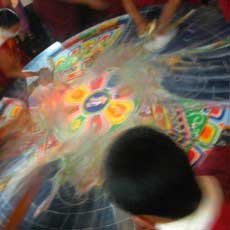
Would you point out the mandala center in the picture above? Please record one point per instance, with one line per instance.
(96, 102)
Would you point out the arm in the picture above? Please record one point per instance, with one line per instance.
(94, 4)
(167, 15)
(132, 10)
(11, 66)
(165, 18)
(21, 74)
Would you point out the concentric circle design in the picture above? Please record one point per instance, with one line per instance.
(96, 102)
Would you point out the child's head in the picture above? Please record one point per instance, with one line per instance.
(146, 173)
(9, 22)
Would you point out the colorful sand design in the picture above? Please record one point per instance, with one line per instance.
(94, 104)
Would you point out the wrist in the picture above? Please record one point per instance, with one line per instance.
(141, 23)
(160, 29)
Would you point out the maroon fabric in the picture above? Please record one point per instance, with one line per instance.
(223, 222)
(2, 4)
(14, 50)
(217, 164)
(225, 7)
(4, 81)
(59, 17)
(15, 55)
(64, 19)
(116, 5)
(142, 3)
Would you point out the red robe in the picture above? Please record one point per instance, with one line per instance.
(224, 5)
(60, 18)
(16, 55)
(116, 5)
(217, 164)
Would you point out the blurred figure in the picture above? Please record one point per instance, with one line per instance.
(17, 6)
(66, 18)
(25, 38)
(163, 36)
(150, 177)
(12, 58)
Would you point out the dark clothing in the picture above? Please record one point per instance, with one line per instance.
(64, 20)
(16, 89)
(59, 17)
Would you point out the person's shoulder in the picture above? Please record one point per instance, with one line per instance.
(225, 6)
(2, 43)
(218, 155)
(220, 152)
(4, 50)
(223, 221)
(217, 165)
(8, 44)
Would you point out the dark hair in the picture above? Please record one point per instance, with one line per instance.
(8, 18)
(146, 173)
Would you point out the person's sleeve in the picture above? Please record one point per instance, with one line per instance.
(224, 5)
(217, 164)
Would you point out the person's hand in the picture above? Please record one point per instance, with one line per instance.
(160, 41)
(142, 26)
(98, 4)
(45, 76)
(146, 28)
